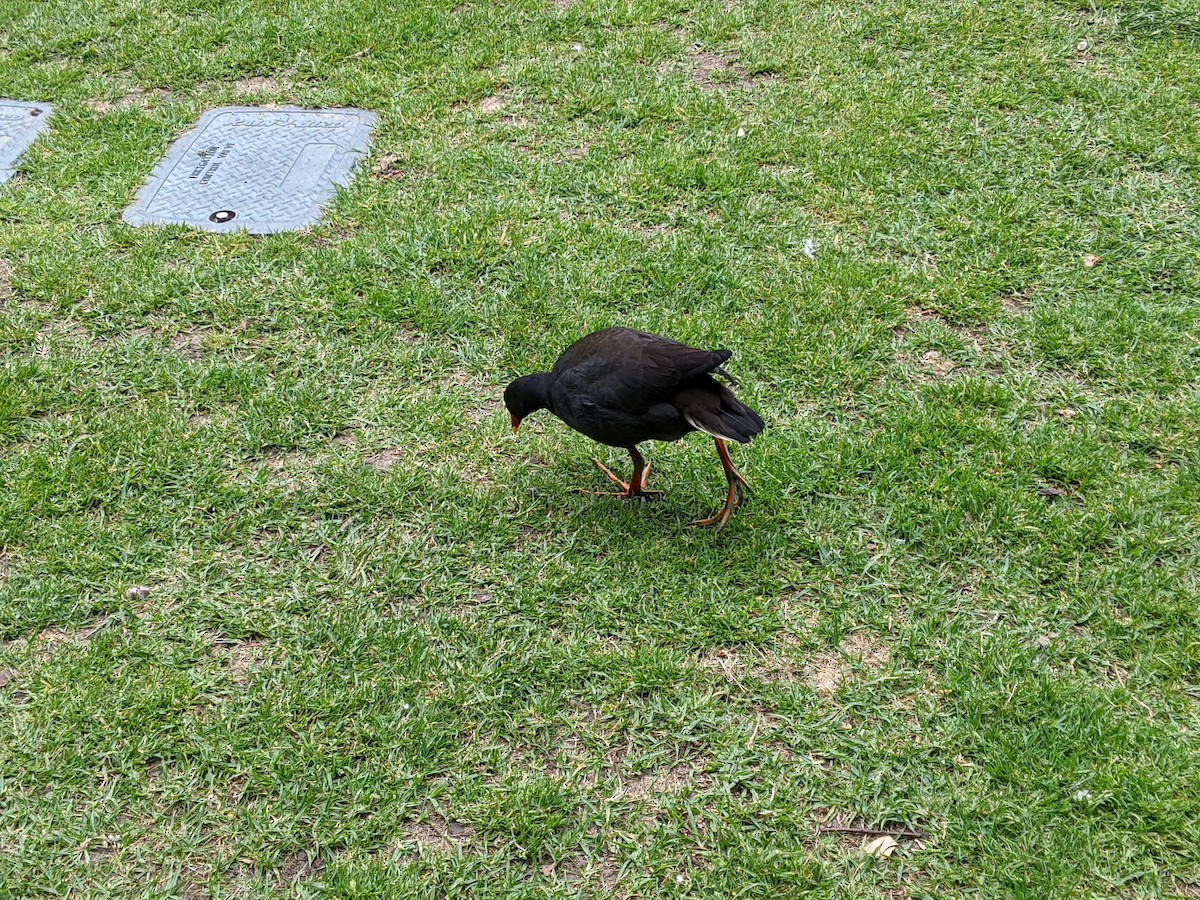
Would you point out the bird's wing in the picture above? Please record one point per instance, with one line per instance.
(628, 369)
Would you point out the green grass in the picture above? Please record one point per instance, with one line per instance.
(285, 608)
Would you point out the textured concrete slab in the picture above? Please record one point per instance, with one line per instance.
(258, 170)
(20, 124)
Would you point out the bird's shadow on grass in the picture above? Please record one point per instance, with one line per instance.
(668, 516)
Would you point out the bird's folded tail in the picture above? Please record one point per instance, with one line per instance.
(720, 414)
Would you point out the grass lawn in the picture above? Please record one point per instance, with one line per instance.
(287, 610)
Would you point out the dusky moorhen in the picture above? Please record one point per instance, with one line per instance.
(621, 387)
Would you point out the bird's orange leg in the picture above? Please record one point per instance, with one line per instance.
(738, 487)
(637, 483)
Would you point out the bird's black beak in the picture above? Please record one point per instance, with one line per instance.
(516, 423)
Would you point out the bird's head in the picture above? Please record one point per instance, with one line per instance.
(527, 394)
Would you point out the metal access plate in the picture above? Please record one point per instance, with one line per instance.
(258, 170)
(20, 124)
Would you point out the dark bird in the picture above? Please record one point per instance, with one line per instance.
(621, 387)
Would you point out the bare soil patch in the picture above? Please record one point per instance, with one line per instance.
(385, 459)
(1015, 304)
(492, 104)
(388, 166)
(141, 98)
(650, 231)
(915, 316)
(937, 364)
(61, 334)
(482, 409)
(714, 71)
(6, 288)
(258, 84)
(477, 597)
(435, 834)
(608, 873)
(671, 780)
(299, 865)
(290, 466)
(602, 872)
(241, 658)
(189, 344)
(480, 399)
(775, 663)
(828, 670)
(476, 478)
(50, 639)
(706, 65)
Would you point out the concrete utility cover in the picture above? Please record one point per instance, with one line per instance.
(20, 123)
(258, 170)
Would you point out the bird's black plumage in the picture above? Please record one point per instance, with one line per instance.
(621, 387)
